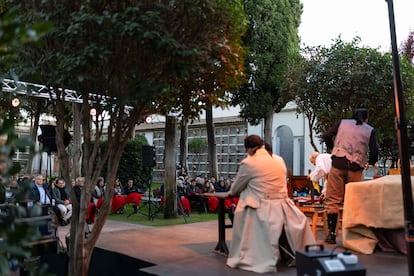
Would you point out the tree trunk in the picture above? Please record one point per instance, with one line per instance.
(268, 127)
(184, 143)
(211, 142)
(311, 122)
(170, 202)
(76, 142)
(33, 134)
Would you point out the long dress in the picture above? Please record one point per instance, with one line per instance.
(262, 213)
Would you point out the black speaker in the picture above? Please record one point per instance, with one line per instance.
(48, 138)
(148, 156)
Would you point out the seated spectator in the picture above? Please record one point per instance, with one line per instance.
(212, 202)
(40, 192)
(118, 200)
(99, 192)
(221, 186)
(194, 195)
(132, 195)
(91, 212)
(181, 194)
(62, 201)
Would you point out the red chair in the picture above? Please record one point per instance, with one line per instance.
(133, 198)
(212, 204)
(118, 203)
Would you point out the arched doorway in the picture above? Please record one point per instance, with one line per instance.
(284, 145)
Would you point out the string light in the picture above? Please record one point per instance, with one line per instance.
(92, 112)
(15, 102)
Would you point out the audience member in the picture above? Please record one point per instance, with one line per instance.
(182, 195)
(99, 192)
(40, 192)
(118, 200)
(91, 212)
(132, 195)
(212, 202)
(194, 195)
(62, 201)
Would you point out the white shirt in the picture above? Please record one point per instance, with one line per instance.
(44, 199)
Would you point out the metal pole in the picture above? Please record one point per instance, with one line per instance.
(401, 128)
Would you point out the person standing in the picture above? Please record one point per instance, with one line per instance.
(263, 212)
(351, 140)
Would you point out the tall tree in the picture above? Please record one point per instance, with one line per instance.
(125, 60)
(220, 27)
(330, 82)
(272, 39)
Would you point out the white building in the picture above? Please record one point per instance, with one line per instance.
(290, 139)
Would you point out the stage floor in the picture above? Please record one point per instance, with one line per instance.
(187, 249)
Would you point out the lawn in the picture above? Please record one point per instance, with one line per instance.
(142, 217)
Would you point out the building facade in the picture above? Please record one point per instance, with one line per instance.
(290, 140)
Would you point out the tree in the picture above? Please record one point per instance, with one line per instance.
(125, 60)
(215, 31)
(15, 236)
(197, 146)
(407, 47)
(329, 83)
(272, 39)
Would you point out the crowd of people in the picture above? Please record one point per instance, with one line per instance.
(191, 193)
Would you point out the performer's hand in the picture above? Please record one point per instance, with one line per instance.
(322, 197)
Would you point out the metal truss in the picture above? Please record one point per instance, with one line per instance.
(38, 90)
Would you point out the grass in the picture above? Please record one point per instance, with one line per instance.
(159, 220)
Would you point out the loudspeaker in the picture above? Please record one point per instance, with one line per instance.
(48, 138)
(148, 156)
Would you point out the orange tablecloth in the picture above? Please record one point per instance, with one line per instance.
(376, 203)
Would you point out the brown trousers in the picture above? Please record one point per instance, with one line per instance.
(335, 189)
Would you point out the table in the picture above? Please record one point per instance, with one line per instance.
(221, 247)
(370, 206)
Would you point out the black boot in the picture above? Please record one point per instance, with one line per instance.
(135, 208)
(332, 220)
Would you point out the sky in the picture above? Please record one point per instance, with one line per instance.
(324, 20)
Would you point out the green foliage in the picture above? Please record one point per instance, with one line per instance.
(130, 166)
(273, 41)
(197, 145)
(329, 83)
(131, 163)
(15, 234)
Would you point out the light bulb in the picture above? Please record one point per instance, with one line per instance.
(15, 102)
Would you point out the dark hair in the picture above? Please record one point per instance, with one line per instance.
(269, 149)
(360, 115)
(253, 141)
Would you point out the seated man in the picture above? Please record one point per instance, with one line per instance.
(62, 201)
(40, 192)
(132, 195)
(194, 195)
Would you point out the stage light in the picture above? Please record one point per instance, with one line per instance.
(92, 112)
(15, 102)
